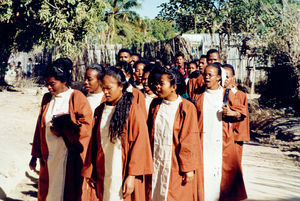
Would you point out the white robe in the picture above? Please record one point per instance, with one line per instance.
(95, 100)
(113, 159)
(212, 143)
(162, 150)
(58, 152)
(148, 100)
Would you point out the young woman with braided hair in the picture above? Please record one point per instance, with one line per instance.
(119, 150)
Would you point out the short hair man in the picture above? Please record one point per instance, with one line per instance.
(124, 55)
(213, 56)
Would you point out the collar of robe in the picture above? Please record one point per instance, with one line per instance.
(172, 102)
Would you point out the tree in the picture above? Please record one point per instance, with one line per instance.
(60, 23)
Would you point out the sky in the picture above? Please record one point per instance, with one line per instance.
(149, 8)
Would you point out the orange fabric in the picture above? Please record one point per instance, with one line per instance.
(241, 129)
(186, 150)
(139, 99)
(76, 142)
(136, 153)
(195, 86)
(232, 183)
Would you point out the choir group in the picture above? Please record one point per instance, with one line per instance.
(142, 130)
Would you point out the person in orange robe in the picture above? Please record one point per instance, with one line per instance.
(220, 157)
(174, 138)
(240, 129)
(138, 96)
(119, 152)
(61, 145)
(95, 97)
(195, 85)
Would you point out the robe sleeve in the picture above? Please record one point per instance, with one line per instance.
(140, 157)
(241, 129)
(236, 105)
(36, 145)
(82, 115)
(189, 140)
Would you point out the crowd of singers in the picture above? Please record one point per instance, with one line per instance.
(142, 130)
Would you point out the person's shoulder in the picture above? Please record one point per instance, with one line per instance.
(187, 103)
(46, 98)
(78, 95)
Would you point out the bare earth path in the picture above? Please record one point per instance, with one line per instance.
(269, 175)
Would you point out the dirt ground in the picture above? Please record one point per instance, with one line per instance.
(269, 175)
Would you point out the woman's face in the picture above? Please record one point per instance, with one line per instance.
(211, 77)
(139, 69)
(112, 89)
(164, 89)
(55, 86)
(191, 68)
(145, 82)
(91, 82)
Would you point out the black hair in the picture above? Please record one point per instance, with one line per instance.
(151, 67)
(193, 62)
(60, 69)
(139, 62)
(195, 74)
(204, 56)
(30, 59)
(151, 59)
(97, 68)
(218, 66)
(124, 50)
(229, 66)
(123, 106)
(179, 54)
(136, 54)
(176, 78)
(211, 51)
(128, 70)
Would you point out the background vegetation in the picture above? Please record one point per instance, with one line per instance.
(271, 28)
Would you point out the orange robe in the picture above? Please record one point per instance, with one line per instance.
(136, 153)
(76, 142)
(139, 99)
(89, 193)
(241, 129)
(195, 86)
(186, 150)
(232, 186)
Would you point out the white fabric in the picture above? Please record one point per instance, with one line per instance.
(58, 152)
(212, 143)
(234, 90)
(95, 100)
(113, 159)
(162, 150)
(139, 87)
(148, 100)
(129, 88)
(223, 76)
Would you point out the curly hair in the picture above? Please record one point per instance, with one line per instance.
(60, 69)
(123, 106)
(126, 67)
(175, 77)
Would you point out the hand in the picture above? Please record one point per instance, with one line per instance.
(188, 176)
(32, 163)
(128, 186)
